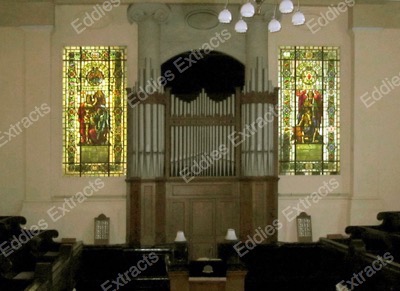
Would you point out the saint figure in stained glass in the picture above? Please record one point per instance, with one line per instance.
(309, 116)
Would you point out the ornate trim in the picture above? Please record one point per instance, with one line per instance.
(142, 11)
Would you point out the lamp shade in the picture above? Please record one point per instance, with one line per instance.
(286, 6)
(241, 26)
(225, 16)
(298, 18)
(274, 25)
(230, 234)
(247, 10)
(180, 237)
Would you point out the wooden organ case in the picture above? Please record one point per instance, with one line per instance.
(201, 167)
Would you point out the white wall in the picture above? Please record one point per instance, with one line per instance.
(376, 109)
(33, 182)
(12, 96)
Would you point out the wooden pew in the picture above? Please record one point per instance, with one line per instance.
(286, 266)
(20, 261)
(32, 260)
(100, 264)
(381, 238)
(367, 246)
(59, 273)
(10, 225)
(357, 259)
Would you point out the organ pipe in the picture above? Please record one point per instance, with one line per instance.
(148, 147)
(201, 136)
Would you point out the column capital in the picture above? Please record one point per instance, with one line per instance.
(142, 11)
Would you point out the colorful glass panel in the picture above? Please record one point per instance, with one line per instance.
(94, 120)
(309, 137)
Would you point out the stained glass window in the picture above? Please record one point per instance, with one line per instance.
(94, 111)
(309, 138)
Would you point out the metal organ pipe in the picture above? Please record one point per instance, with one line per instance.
(200, 132)
(257, 150)
(148, 148)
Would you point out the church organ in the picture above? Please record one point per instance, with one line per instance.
(199, 162)
(202, 167)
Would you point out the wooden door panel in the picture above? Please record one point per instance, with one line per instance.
(228, 216)
(177, 218)
(202, 218)
(202, 228)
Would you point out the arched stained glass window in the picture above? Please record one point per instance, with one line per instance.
(94, 111)
(309, 137)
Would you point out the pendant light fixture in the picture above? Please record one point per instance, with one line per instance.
(248, 10)
(298, 17)
(225, 16)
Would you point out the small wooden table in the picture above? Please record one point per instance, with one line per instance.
(207, 283)
(180, 281)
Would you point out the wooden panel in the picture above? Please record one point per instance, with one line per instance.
(179, 280)
(207, 286)
(227, 217)
(272, 205)
(206, 210)
(259, 204)
(235, 280)
(202, 218)
(210, 189)
(272, 197)
(202, 228)
(176, 218)
(160, 210)
(260, 97)
(133, 210)
(246, 210)
(148, 215)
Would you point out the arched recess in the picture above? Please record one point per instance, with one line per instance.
(217, 73)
